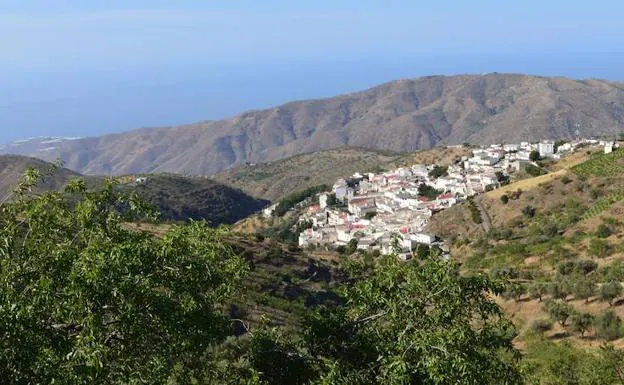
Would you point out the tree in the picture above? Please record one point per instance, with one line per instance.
(331, 200)
(84, 299)
(370, 215)
(559, 290)
(504, 199)
(583, 288)
(414, 323)
(534, 156)
(515, 291)
(421, 251)
(581, 322)
(538, 290)
(558, 311)
(608, 325)
(352, 246)
(610, 291)
(438, 171)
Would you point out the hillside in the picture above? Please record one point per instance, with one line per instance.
(400, 116)
(12, 168)
(178, 198)
(181, 198)
(542, 230)
(277, 179)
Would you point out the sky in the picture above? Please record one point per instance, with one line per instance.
(86, 67)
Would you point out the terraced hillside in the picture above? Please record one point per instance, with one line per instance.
(540, 237)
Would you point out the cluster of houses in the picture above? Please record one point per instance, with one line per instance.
(376, 209)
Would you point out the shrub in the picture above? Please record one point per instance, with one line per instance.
(528, 211)
(565, 180)
(534, 170)
(603, 231)
(599, 248)
(608, 325)
(534, 156)
(541, 326)
(438, 171)
(581, 322)
(504, 199)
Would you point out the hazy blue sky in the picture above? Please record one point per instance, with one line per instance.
(86, 67)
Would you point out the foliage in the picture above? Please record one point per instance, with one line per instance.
(581, 322)
(603, 231)
(552, 363)
(85, 300)
(474, 212)
(352, 246)
(528, 211)
(427, 191)
(504, 199)
(599, 248)
(537, 290)
(583, 287)
(292, 200)
(534, 170)
(608, 325)
(410, 323)
(534, 156)
(370, 215)
(438, 171)
(609, 291)
(558, 310)
(515, 291)
(541, 326)
(559, 290)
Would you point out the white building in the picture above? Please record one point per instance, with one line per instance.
(546, 148)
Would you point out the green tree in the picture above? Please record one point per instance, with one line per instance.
(422, 251)
(504, 199)
(537, 290)
(608, 325)
(559, 290)
(609, 291)
(534, 156)
(438, 171)
(558, 311)
(414, 324)
(583, 287)
(515, 291)
(581, 322)
(352, 246)
(84, 299)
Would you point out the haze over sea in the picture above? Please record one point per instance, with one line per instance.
(81, 68)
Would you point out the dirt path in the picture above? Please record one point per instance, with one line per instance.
(485, 217)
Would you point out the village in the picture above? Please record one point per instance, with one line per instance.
(389, 211)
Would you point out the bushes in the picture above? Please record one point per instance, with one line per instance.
(293, 199)
(504, 199)
(528, 211)
(603, 231)
(599, 248)
(534, 170)
(474, 212)
(438, 171)
(541, 326)
(537, 290)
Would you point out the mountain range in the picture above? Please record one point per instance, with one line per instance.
(400, 116)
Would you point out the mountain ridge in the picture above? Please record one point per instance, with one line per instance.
(403, 115)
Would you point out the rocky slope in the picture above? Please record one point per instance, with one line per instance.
(403, 115)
